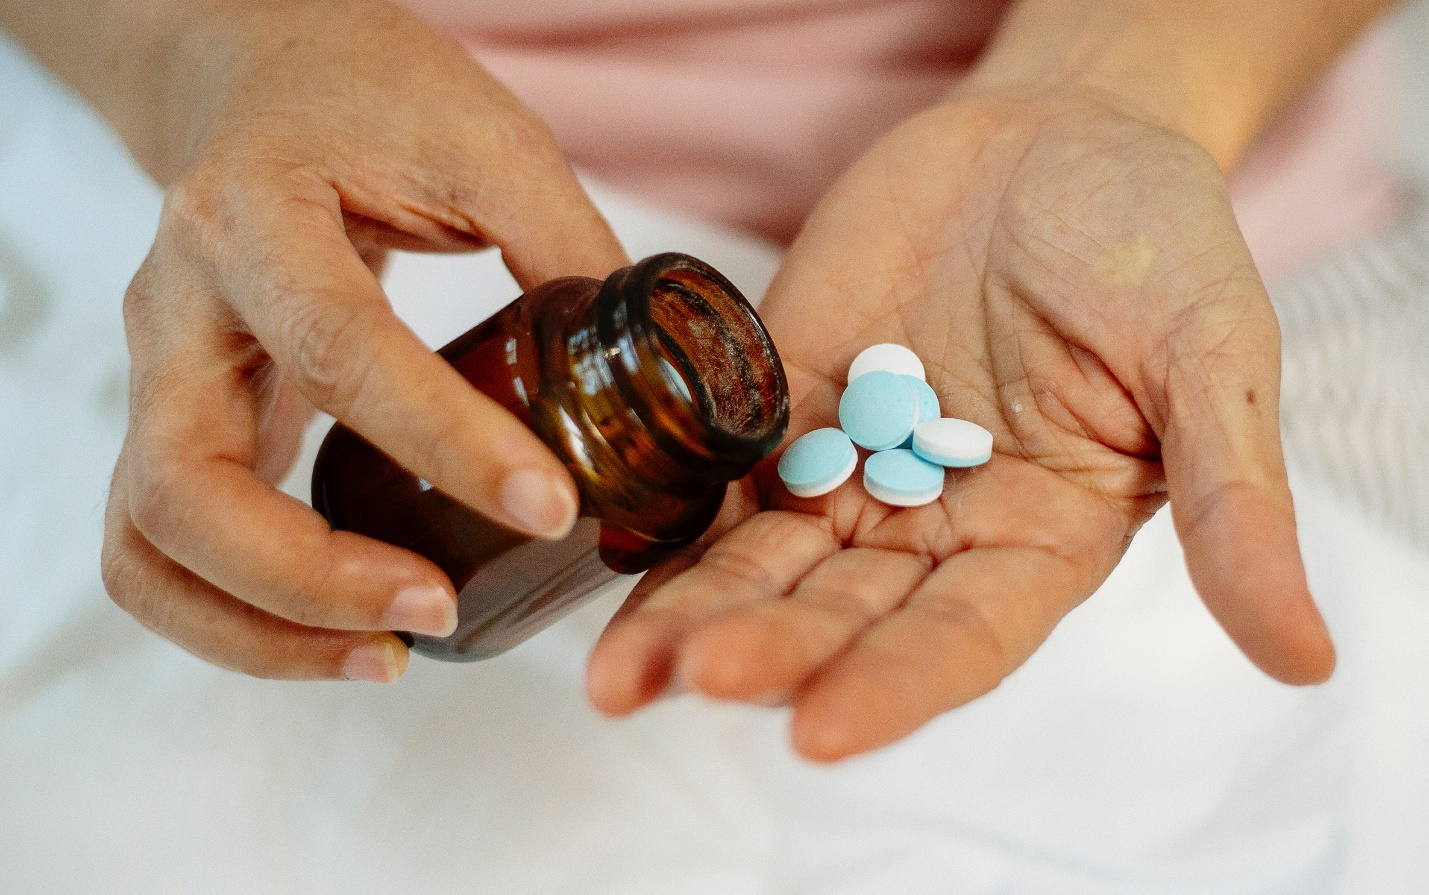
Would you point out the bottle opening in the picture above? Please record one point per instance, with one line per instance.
(704, 370)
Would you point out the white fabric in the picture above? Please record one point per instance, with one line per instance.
(1137, 752)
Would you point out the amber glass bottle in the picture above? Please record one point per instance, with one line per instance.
(656, 388)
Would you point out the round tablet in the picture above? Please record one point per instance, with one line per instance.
(817, 463)
(901, 479)
(950, 442)
(673, 375)
(928, 406)
(887, 357)
(879, 410)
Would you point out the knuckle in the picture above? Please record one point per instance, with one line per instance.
(324, 352)
(737, 566)
(979, 627)
(138, 305)
(524, 134)
(156, 503)
(518, 146)
(211, 212)
(117, 572)
(194, 206)
(852, 605)
(130, 578)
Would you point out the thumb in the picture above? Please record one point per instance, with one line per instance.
(1230, 497)
(531, 205)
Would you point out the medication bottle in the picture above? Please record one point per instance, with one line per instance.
(656, 388)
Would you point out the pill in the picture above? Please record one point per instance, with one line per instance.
(952, 442)
(901, 479)
(888, 358)
(928, 406)
(817, 463)
(879, 410)
(674, 376)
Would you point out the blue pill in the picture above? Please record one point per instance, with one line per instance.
(901, 478)
(817, 463)
(879, 410)
(928, 406)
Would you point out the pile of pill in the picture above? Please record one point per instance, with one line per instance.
(890, 409)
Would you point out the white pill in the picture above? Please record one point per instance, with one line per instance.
(889, 358)
(950, 442)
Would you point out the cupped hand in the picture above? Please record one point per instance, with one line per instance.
(319, 135)
(1075, 282)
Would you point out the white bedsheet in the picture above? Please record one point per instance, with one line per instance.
(1137, 752)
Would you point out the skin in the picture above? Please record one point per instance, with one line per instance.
(1057, 245)
(1069, 279)
(297, 155)
(1055, 241)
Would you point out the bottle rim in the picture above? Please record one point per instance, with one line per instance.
(730, 408)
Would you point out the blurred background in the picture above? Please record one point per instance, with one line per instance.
(1413, 24)
(1136, 753)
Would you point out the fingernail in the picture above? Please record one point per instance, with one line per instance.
(538, 503)
(424, 609)
(375, 661)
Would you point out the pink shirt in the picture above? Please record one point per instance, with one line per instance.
(744, 111)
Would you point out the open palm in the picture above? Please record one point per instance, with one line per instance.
(1075, 282)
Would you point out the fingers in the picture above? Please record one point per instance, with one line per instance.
(763, 654)
(868, 640)
(195, 532)
(262, 286)
(274, 552)
(223, 630)
(437, 148)
(502, 182)
(1230, 498)
(312, 304)
(868, 646)
(968, 625)
(633, 662)
(567, 236)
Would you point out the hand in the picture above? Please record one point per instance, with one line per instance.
(1074, 281)
(321, 134)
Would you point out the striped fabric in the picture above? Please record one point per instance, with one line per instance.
(1355, 397)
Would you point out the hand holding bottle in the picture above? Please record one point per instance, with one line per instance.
(299, 140)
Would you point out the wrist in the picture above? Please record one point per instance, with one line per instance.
(1216, 72)
(114, 53)
(1132, 64)
(157, 70)
(182, 56)
(207, 54)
